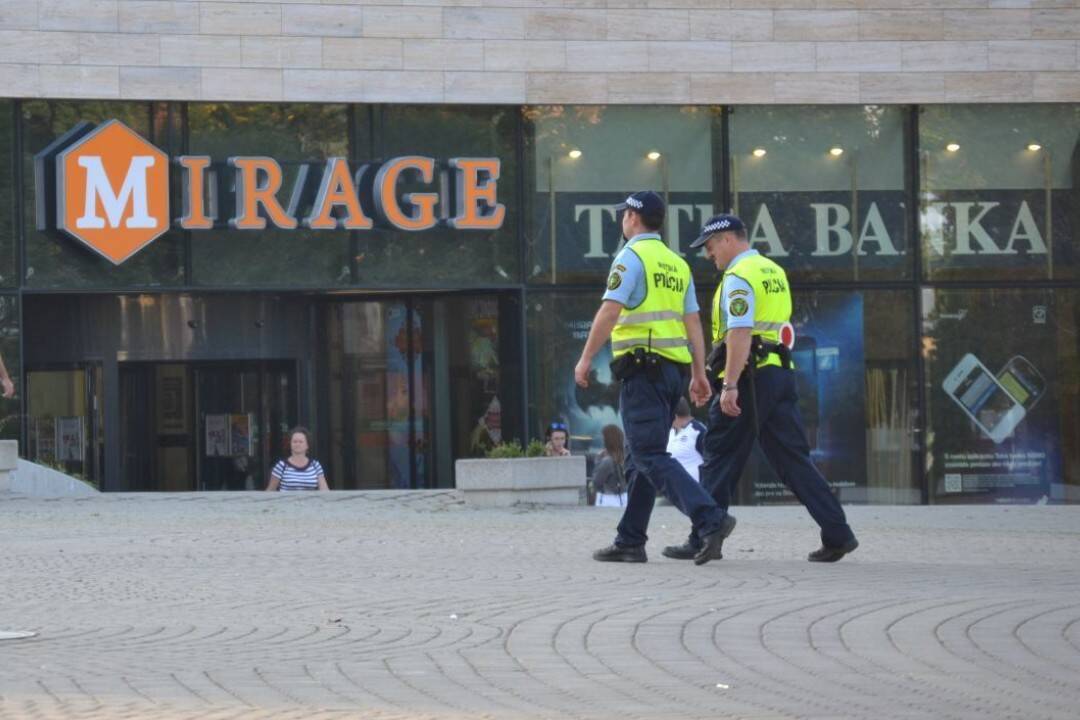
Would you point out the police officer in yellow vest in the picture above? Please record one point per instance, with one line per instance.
(650, 313)
(750, 309)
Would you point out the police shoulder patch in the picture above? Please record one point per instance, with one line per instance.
(737, 292)
(738, 307)
(614, 281)
(620, 268)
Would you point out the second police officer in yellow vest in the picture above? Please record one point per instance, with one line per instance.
(751, 308)
(651, 314)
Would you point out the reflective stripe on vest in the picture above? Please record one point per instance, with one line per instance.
(657, 322)
(772, 301)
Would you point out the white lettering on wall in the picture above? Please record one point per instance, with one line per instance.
(764, 232)
(1024, 228)
(595, 215)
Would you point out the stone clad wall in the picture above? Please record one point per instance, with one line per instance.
(544, 51)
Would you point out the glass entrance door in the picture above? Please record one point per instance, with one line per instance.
(204, 426)
(411, 384)
(64, 411)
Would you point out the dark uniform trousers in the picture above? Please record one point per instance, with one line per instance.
(730, 440)
(648, 409)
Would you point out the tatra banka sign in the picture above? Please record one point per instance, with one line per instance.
(109, 188)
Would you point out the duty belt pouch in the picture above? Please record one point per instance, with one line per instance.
(628, 364)
(714, 365)
(652, 366)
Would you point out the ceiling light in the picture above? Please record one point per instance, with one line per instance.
(1034, 147)
(758, 152)
(952, 147)
(574, 154)
(836, 151)
(653, 155)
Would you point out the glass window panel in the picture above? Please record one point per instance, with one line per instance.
(854, 361)
(444, 256)
(814, 184)
(55, 261)
(8, 203)
(1003, 422)
(293, 135)
(999, 195)
(9, 358)
(585, 159)
(855, 365)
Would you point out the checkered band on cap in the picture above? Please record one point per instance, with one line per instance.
(634, 202)
(717, 226)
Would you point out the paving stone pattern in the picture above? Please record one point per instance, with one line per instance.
(414, 605)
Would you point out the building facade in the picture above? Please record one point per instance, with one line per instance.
(916, 171)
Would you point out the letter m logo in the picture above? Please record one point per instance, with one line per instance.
(112, 191)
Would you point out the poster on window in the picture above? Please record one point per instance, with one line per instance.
(830, 377)
(69, 439)
(991, 363)
(217, 436)
(240, 430)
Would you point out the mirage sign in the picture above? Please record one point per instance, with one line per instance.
(109, 188)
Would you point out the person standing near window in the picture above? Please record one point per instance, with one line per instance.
(651, 315)
(558, 440)
(687, 439)
(298, 471)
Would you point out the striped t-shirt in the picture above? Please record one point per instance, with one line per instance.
(291, 477)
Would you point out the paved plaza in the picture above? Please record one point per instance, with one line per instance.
(415, 605)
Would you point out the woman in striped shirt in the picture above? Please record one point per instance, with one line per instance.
(298, 471)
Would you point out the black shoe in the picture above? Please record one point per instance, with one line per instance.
(714, 542)
(618, 553)
(686, 551)
(832, 554)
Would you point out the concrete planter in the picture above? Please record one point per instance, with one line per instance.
(503, 482)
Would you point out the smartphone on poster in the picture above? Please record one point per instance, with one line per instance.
(985, 400)
(1021, 380)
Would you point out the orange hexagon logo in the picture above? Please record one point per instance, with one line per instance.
(113, 191)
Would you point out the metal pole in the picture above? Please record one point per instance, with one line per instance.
(1047, 180)
(551, 211)
(856, 231)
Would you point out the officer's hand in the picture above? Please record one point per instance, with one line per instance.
(729, 402)
(700, 391)
(581, 372)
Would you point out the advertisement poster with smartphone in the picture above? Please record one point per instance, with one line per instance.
(831, 378)
(991, 361)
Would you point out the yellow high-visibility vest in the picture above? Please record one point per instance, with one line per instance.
(772, 301)
(657, 322)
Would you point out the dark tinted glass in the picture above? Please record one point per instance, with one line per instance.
(1002, 390)
(1000, 194)
(292, 135)
(59, 261)
(9, 204)
(442, 256)
(821, 189)
(585, 159)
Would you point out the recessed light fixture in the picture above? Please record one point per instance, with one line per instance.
(952, 147)
(574, 154)
(653, 155)
(758, 152)
(836, 151)
(1033, 147)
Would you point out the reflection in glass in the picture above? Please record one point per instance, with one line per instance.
(585, 159)
(822, 188)
(998, 195)
(294, 135)
(62, 262)
(8, 202)
(443, 256)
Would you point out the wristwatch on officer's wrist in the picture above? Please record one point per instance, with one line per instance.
(726, 386)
